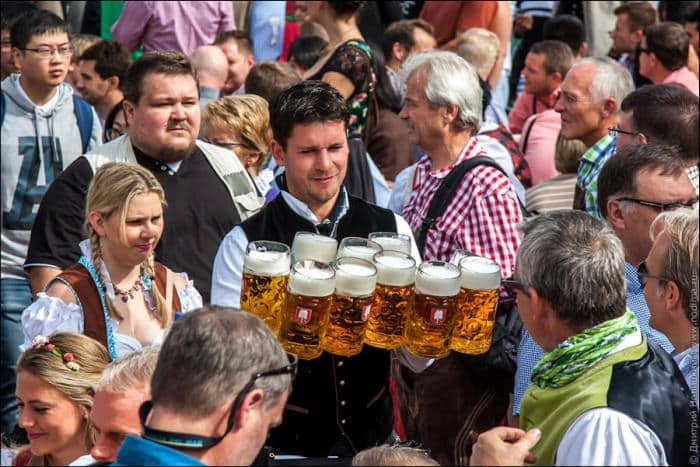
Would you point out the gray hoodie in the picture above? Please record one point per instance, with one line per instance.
(37, 144)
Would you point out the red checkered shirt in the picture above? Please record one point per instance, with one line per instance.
(481, 217)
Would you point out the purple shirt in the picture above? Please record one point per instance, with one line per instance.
(176, 26)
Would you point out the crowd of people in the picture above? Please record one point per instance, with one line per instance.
(142, 154)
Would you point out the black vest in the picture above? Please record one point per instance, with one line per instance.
(338, 405)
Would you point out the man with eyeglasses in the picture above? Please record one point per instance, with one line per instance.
(602, 394)
(221, 382)
(589, 103)
(669, 277)
(41, 135)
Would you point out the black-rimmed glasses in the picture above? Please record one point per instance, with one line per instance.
(513, 286)
(617, 129)
(643, 275)
(223, 144)
(662, 206)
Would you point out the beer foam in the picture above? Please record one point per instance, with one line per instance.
(480, 273)
(357, 251)
(267, 263)
(311, 280)
(308, 245)
(395, 270)
(354, 280)
(394, 244)
(438, 279)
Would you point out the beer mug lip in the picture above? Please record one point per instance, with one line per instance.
(321, 246)
(407, 260)
(267, 245)
(303, 281)
(350, 260)
(354, 242)
(446, 283)
(479, 273)
(354, 277)
(460, 254)
(397, 237)
(267, 258)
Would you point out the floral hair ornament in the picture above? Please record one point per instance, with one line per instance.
(68, 358)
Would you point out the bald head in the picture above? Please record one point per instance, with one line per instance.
(211, 65)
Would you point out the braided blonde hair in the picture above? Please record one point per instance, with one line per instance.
(77, 386)
(109, 193)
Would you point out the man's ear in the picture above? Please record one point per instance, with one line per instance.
(250, 402)
(113, 82)
(615, 216)
(129, 109)
(398, 51)
(278, 153)
(609, 107)
(673, 299)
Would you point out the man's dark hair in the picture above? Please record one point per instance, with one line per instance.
(676, 10)
(241, 38)
(619, 174)
(639, 14)
(111, 59)
(566, 28)
(35, 22)
(307, 102)
(402, 32)
(558, 56)
(694, 17)
(345, 7)
(306, 50)
(666, 114)
(269, 78)
(166, 63)
(669, 42)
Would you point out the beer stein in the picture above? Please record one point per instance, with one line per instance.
(429, 326)
(307, 306)
(458, 255)
(355, 280)
(308, 245)
(393, 299)
(392, 241)
(476, 305)
(356, 247)
(265, 271)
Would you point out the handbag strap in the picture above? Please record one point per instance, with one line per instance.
(446, 191)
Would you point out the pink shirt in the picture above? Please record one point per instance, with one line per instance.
(541, 142)
(526, 105)
(176, 26)
(685, 77)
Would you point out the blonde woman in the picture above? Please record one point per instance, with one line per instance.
(55, 380)
(241, 124)
(117, 293)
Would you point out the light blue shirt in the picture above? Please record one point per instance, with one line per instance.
(529, 353)
(267, 29)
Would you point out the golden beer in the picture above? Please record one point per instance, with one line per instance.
(308, 245)
(355, 280)
(356, 247)
(307, 307)
(393, 299)
(392, 241)
(432, 319)
(477, 302)
(265, 270)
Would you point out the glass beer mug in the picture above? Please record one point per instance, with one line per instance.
(357, 247)
(393, 299)
(430, 323)
(308, 245)
(307, 306)
(265, 271)
(392, 241)
(355, 280)
(478, 297)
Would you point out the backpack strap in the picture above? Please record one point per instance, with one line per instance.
(525, 137)
(84, 116)
(446, 190)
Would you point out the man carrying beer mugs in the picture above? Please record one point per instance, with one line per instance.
(339, 405)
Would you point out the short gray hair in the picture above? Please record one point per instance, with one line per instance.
(209, 355)
(610, 80)
(681, 261)
(449, 79)
(576, 263)
(479, 47)
(392, 455)
(133, 371)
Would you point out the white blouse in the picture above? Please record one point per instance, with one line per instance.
(48, 315)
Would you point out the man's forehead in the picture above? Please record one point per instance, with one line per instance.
(308, 133)
(578, 79)
(51, 38)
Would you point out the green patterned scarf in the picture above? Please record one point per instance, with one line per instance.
(578, 353)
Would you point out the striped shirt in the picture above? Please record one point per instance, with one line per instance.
(550, 195)
(481, 217)
(589, 168)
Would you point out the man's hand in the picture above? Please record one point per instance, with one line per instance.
(504, 446)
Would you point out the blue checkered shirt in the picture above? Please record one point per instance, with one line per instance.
(589, 168)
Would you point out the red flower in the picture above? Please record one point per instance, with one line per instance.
(50, 347)
(68, 357)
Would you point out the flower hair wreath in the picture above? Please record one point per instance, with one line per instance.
(68, 358)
